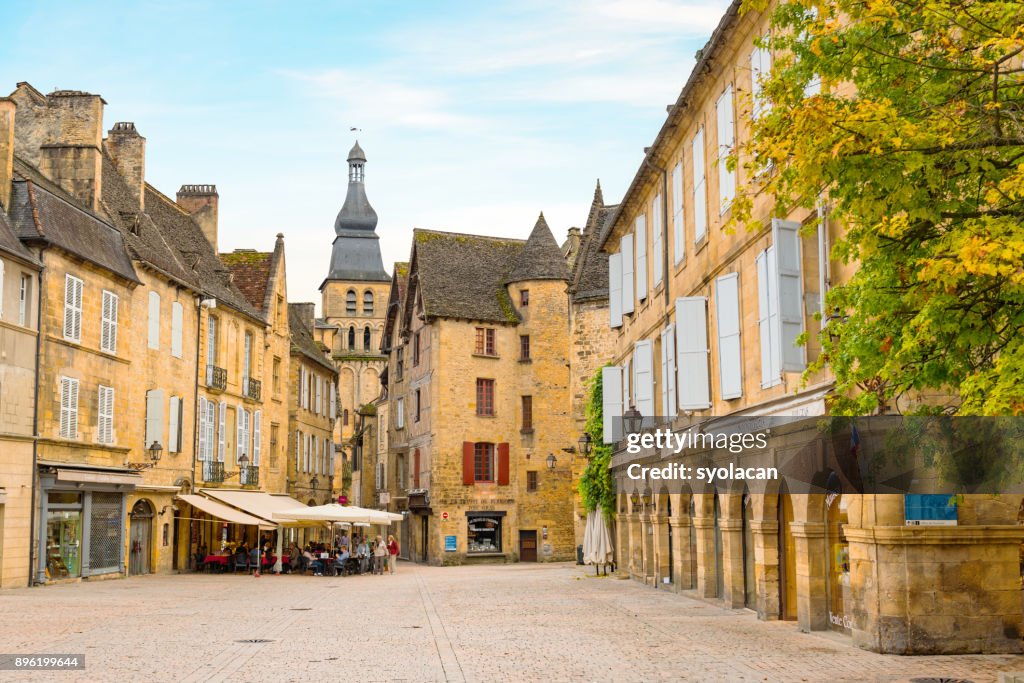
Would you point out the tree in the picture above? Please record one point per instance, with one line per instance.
(597, 490)
(917, 139)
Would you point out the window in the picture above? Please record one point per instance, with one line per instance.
(379, 479)
(657, 241)
(531, 480)
(400, 475)
(780, 304)
(524, 297)
(68, 408)
(23, 293)
(275, 433)
(700, 198)
(242, 424)
(399, 363)
(366, 338)
(344, 417)
(483, 462)
(417, 406)
(727, 296)
(352, 338)
(177, 322)
(211, 342)
(527, 402)
(222, 428)
(485, 342)
(641, 257)
(416, 469)
(627, 292)
(154, 320)
(247, 363)
(485, 397)
(760, 67)
(72, 309)
(524, 347)
(108, 324)
(399, 414)
(277, 375)
(367, 302)
(726, 138)
(416, 349)
(678, 240)
(280, 315)
(615, 290)
(105, 415)
(484, 534)
(350, 302)
(692, 353)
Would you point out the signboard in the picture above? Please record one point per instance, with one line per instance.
(450, 543)
(930, 509)
(444, 515)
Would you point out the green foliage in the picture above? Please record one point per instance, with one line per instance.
(346, 477)
(917, 140)
(596, 487)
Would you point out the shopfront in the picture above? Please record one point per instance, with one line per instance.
(81, 513)
(483, 533)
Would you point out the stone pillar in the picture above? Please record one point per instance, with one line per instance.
(811, 607)
(661, 563)
(679, 528)
(621, 542)
(635, 547)
(646, 564)
(706, 583)
(732, 557)
(767, 567)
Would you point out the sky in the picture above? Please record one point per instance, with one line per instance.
(474, 116)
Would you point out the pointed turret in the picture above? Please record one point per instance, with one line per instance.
(356, 253)
(541, 258)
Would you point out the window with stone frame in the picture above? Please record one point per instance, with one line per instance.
(531, 480)
(485, 342)
(416, 349)
(417, 406)
(485, 397)
(350, 302)
(483, 462)
(524, 347)
(367, 302)
(527, 403)
(524, 297)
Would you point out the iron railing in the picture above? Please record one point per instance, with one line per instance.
(213, 471)
(249, 475)
(216, 378)
(253, 388)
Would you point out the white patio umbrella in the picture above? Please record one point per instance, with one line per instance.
(332, 512)
(597, 542)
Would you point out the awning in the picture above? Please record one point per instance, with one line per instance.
(223, 512)
(257, 503)
(332, 512)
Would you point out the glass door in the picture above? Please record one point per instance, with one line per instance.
(63, 544)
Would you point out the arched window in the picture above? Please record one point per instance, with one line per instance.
(350, 302)
(366, 338)
(368, 302)
(351, 338)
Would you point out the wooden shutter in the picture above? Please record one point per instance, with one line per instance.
(154, 320)
(760, 67)
(700, 198)
(177, 321)
(73, 408)
(694, 392)
(334, 402)
(108, 327)
(678, 239)
(239, 432)
(503, 464)
(641, 257)
(643, 363)
(727, 299)
(222, 425)
(173, 422)
(615, 290)
(611, 402)
(626, 249)
(72, 308)
(767, 320)
(467, 463)
(415, 469)
(154, 418)
(726, 138)
(627, 378)
(789, 290)
(668, 370)
(257, 435)
(657, 241)
(203, 443)
(105, 415)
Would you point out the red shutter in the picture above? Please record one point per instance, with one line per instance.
(416, 469)
(503, 464)
(467, 463)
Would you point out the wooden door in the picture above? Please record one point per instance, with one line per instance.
(527, 545)
(140, 547)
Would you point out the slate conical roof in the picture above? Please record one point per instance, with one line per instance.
(541, 258)
(356, 153)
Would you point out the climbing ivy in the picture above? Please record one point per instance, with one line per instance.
(597, 490)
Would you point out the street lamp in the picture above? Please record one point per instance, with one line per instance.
(586, 444)
(551, 461)
(154, 452)
(314, 482)
(633, 421)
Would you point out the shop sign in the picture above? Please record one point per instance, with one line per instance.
(450, 543)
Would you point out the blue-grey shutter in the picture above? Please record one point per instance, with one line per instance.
(615, 290)
(626, 249)
(692, 353)
(727, 300)
(786, 243)
(611, 402)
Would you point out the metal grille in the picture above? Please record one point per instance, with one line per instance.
(213, 471)
(249, 476)
(105, 533)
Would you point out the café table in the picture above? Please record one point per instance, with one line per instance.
(220, 561)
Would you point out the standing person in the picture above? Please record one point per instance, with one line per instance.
(363, 555)
(392, 553)
(380, 552)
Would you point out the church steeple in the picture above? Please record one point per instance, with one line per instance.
(356, 214)
(356, 253)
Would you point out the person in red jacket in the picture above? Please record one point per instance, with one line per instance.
(392, 553)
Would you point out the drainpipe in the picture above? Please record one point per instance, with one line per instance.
(33, 528)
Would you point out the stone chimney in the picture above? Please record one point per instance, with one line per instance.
(71, 157)
(306, 313)
(7, 110)
(128, 150)
(200, 201)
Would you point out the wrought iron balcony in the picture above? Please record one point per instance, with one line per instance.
(216, 378)
(252, 389)
(249, 475)
(213, 471)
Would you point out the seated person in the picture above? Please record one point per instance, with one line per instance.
(312, 562)
(254, 557)
(341, 559)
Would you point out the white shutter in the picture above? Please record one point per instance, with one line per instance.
(69, 408)
(678, 239)
(726, 139)
(611, 402)
(615, 290)
(222, 425)
(700, 198)
(154, 418)
(767, 318)
(105, 415)
(174, 425)
(786, 243)
(72, 308)
(643, 362)
(257, 435)
(330, 457)
(239, 432)
(627, 379)
(760, 67)
(668, 371)
(309, 460)
(202, 429)
(334, 402)
(108, 326)
(626, 249)
(400, 413)
(692, 353)
(298, 451)
(177, 320)
(641, 257)
(727, 300)
(657, 241)
(154, 320)
(1, 288)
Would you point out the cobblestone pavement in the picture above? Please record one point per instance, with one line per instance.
(482, 623)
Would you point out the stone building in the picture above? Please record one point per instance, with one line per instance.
(479, 399)
(312, 412)
(705, 324)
